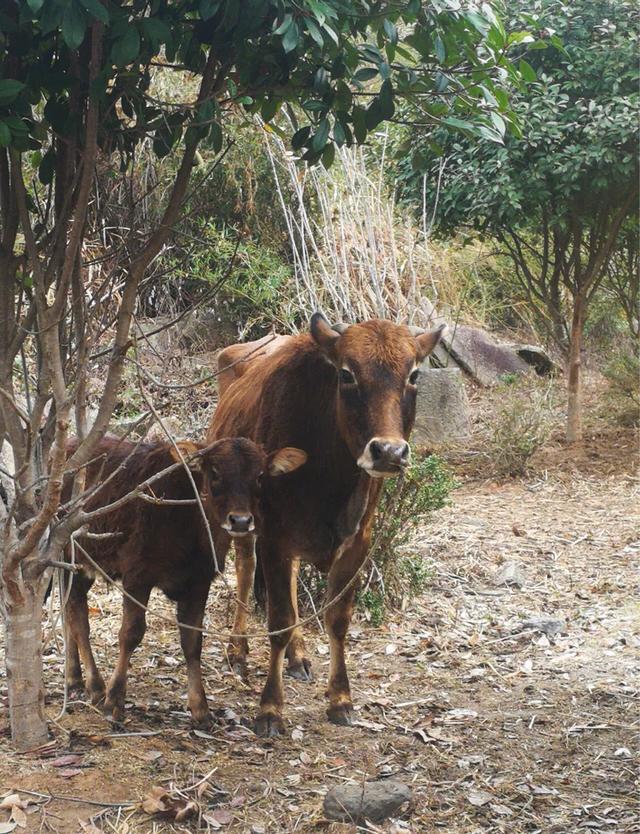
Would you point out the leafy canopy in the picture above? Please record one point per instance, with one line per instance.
(578, 154)
(344, 62)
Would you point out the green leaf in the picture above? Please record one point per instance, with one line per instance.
(156, 31)
(328, 155)
(5, 135)
(300, 137)
(126, 48)
(441, 53)
(216, 137)
(390, 30)
(269, 109)
(9, 89)
(387, 107)
(97, 10)
(291, 37)
(74, 26)
(35, 5)
(47, 167)
(339, 135)
(360, 124)
(321, 136)
(527, 71)
(365, 74)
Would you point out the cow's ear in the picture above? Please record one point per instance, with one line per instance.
(324, 335)
(285, 460)
(428, 340)
(187, 449)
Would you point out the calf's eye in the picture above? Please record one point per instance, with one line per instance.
(413, 379)
(346, 377)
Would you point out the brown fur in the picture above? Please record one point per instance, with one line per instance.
(159, 546)
(324, 512)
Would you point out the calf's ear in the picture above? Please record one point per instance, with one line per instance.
(285, 460)
(187, 449)
(428, 340)
(324, 335)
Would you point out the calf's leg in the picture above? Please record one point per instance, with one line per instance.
(78, 644)
(131, 633)
(281, 615)
(299, 665)
(245, 571)
(191, 612)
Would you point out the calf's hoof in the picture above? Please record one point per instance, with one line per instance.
(202, 721)
(114, 709)
(96, 696)
(301, 671)
(268, 725)
(341, 714)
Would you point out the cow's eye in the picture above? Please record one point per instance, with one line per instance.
(346, 377)
(214, 474)
(259, 479)
(413, 379)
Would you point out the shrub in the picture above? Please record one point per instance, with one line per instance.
(623, 397)
(519, 427)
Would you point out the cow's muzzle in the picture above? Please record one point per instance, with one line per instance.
(384, 457)
(239, 524)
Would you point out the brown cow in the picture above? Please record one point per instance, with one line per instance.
(163, 545)
(347, 397)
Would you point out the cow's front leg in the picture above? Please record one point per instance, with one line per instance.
(281, 617)
(337, 619)
(238, 648)
(190, 611)
(298, 665)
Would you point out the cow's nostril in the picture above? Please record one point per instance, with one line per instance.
(405, 452)
(376, 449)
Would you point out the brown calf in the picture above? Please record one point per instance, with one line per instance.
(347, 397)
(163, 546)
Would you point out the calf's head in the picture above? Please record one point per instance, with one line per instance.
(231, 475)
(377, 367)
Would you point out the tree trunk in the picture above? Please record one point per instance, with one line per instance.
(574, 401)
(24, 668)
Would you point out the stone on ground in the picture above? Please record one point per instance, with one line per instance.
(375, 801)
(442, 409)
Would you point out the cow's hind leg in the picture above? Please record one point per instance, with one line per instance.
(78, 644)
(281, 616)
(238, 648)
(131, 633)
(191, 612)
(299, 665)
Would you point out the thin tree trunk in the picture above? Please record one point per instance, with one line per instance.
(574, 402)
(23, 646)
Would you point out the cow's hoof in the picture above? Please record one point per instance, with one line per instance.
(76, 691)
(341, 715)
(300, 671)
(114, 710)
(202, 721)
(96, 695)
(268, 725)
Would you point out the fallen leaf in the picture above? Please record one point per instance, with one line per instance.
(69, 772)
(297, 735)
(12, 800)
(19, 816)
(69, 759)
(190, 809)
(220, 817)
(502, 810)
(479, 798)
(390, 648)
(7, 827)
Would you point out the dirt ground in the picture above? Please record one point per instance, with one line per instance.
(497, 723)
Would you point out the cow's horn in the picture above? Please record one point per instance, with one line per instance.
(416, 331)
(340, 327)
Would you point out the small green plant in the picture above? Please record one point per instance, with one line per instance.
(373, 604)
(623, 396)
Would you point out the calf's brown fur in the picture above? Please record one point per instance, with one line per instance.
(163, 545)
(346, 396)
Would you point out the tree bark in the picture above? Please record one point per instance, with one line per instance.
(574, 401)
(23, 623)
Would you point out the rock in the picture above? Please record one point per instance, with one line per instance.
(482, 356)
(539, 359)
(550, 628)
(375, 801)
(442, 408)
(510, 573)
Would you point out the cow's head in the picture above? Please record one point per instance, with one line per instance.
(232, 474)
(377, 367)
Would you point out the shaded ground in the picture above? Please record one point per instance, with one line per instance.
(496, 728)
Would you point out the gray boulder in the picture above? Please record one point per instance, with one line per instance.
(482, 357)
(442, 408)
(375, 801)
